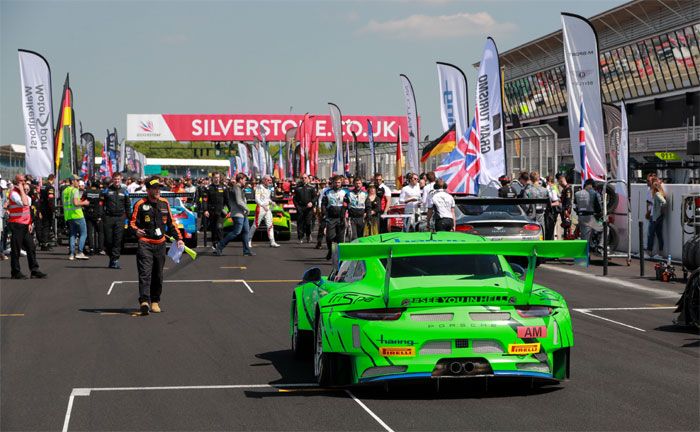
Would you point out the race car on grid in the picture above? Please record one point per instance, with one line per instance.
(405, 306)
(184, 218)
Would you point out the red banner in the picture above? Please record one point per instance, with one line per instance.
(245, 127)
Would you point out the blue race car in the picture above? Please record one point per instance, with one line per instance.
(185, 218)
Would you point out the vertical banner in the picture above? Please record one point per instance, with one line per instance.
(372, 156)
(413, 133)
(584, 103)
(454, 108)
(488, 115)
(243, 154)
(89, 142)
(35, 76)
(337, 124)
(623, 155)
(290, 136)
(65, 119)
(399, 161)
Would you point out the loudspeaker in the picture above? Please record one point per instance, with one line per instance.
(693, 148)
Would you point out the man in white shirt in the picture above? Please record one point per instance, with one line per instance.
(442, 205)
(411, 197)
(263, 211)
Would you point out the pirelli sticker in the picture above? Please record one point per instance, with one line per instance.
(522, 349)
(397, 351)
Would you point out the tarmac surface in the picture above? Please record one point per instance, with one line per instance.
(218, 358)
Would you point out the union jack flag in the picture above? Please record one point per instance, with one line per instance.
(460, 169)
(109, 163)
(586, 171)
(84, 167)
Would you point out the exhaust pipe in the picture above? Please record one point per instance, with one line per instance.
(468, 367)
(456, 367)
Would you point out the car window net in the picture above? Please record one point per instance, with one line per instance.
(471, 266)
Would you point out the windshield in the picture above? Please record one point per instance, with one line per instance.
(471, 266)
(478, 209)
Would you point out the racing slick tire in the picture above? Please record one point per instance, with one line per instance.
(301, 339)
(330, 369)
(283, 235)
(192, 241)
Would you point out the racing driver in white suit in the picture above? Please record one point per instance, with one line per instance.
(263, 211)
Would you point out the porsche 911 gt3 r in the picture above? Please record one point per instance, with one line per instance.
(442, 305)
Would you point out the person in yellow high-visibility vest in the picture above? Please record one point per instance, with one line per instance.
(73, 204)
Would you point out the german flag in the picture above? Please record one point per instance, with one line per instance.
(444, 144)
(65, 118)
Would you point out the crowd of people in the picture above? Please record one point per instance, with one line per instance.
(93, 213)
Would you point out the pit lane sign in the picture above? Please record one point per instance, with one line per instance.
(246, 127)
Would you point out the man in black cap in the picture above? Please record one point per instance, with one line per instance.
(506, 190)
(116, 210)
(47, 204)
(151, 220)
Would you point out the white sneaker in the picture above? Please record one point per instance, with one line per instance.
(274, 245)
(657, 257)
(81, 256)
(71, 257)
(301, 241)
(22, 252)
(250, 244)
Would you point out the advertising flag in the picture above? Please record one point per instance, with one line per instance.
(445, 143)
(623, 154)
(337, 125)
(399, 162)
(290, 138)
(243, 153)
(581, 59)
(63, 132)
(255, 152)
(488, 112)
(89, 143)
(35, 76)
(84, 168)
(413, 133)
(454, 107)
(372, 156)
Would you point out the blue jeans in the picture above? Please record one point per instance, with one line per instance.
(77, 227)
(654, 230)
(240, 227)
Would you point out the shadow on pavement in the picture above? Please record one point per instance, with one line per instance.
(113, 311)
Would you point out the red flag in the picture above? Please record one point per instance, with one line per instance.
(314, 157)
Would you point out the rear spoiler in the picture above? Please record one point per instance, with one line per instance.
(501, 201)
(532, 249)
(164, 194)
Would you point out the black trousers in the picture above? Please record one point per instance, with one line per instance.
(383, 225)
(21, 239)
(46, 226)
(321, 231)
(550, 221)
(357, 227)
(216, 226)
(150, 260)
(95, 234)
(335, 232)
(444, 224)
(113, 234)
(304, 222)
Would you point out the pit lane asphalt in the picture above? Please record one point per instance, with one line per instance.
(69, 334)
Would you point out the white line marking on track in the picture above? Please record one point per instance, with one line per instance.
(86, 392)
(587, 312)
(613, 281)
(370, 412)
(627, 308)
(109, 291)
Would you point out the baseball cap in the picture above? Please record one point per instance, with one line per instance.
(72, 177)
(153, 182)
(3, 184)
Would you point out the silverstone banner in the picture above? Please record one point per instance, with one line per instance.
(413, 134)
(454, 107)
(245, 127)
(489, 117)
(584, 103)
(35, 76)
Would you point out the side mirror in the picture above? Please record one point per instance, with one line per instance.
(518, 269)
(312, 275)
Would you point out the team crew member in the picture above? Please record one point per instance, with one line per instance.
(356, 201)
(553, 209)
(47, 204)
(383, 191)
(535, 191)
(94, 213)
(239, 214)
(213, 206)
(410, 196)
(151, 220)
(506, 190)
(443, 204)
(20, 224)
(73, 204)
(304, 201)
(116, 210)
(521, 184)
(566, 196)
(321, 219)
(333, 207)
(263, 211)
(587, 206)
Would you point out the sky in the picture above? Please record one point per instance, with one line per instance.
(257, 57)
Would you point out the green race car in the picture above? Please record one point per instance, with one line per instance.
(281, 221)
(433, 305)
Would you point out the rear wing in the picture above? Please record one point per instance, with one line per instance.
(501, 201)
(532, 249)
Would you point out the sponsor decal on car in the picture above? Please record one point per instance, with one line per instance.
(521, 349)
(397, 351)
(532, 332)
(458, 299)
(341, 299)
(395, 341)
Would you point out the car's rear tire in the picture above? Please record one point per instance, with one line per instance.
(301, 339)
(323, 363)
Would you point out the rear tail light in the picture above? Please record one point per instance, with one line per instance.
(533, 311)
(697, 202)
(180, 216)
(376, 314)
(531, 227)
(464, 227)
